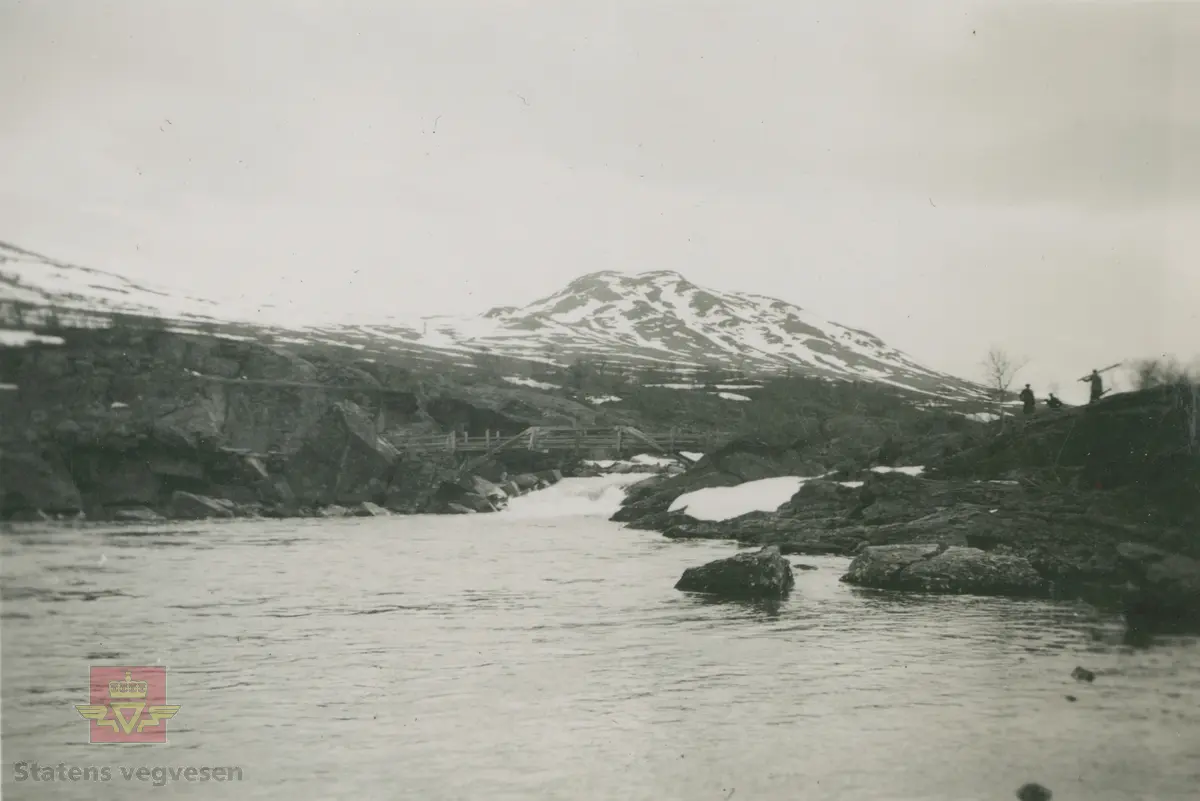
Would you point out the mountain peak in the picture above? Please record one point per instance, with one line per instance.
(655, 318)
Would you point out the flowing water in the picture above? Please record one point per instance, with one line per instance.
(541, 653)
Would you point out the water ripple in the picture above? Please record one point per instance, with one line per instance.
(539, 657)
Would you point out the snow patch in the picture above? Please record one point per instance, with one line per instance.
(726, 503)
(691, 455)
(8, 387)
(911, 471)
(19, 339)
(528, 382)
(604, 399)
(732, 396)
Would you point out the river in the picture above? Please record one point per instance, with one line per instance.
(541, 653)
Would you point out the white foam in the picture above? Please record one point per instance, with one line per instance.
(598, 496)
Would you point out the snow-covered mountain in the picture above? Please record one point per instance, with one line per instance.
(654, 319)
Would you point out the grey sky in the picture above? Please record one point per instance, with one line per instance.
(948, 175)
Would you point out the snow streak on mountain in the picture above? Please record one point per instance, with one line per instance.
(653, 319)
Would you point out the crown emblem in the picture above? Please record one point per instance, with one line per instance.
(128, 688)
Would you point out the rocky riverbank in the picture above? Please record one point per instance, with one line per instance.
(133, 424)
(1058, 506)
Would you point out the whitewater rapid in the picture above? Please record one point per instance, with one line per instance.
(597, 496)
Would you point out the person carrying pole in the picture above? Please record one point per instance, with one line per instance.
(1097, 385)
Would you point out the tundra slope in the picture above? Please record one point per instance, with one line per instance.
(648, 320)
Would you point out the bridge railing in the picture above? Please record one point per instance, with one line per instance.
(582, 439)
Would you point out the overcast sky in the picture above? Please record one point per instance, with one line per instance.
(948, 175)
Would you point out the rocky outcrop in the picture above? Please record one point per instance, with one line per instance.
(343, 460)
(761, 574)
(29, 483)
(944, 569)
(1166, 587)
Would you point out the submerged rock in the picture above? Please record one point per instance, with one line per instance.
(1034, 792)
(760, 574)
(942, 569)
(1083, 674)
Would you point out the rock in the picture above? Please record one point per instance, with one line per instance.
(526, 481)
(135, 514)
(1071, 698)
(187, 506)
(1166, 586)
(343, 459)
(368, 509)
(459, 509)
(761, 574)
(333, 510)
(29, 482)
(552, 476)
(415, 482)
(476, 503)
(802, 566)
(937, 568)
(487, 489)
(1083, 674)
(1034, 792)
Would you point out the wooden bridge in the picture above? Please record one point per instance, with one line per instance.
(547, 439)
(612, 441)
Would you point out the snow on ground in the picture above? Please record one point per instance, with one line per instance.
(8, 387)
(691, 455)
(649, 458)
(18, 339)
(738, 386)
(851, 484)
(732, 396)
(983, 417)
(912, 471)
(726, 503)
(604, 399)
(528, 382)
(677, 386)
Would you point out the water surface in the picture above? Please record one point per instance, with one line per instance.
(543, 654)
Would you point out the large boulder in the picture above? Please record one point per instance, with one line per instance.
(28, 482)
(759, 574)
(343, 460)
(1166, 586)
(415, 481)
(944, 569)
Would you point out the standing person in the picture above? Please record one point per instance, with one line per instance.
(1097, 386)
(1028, 400)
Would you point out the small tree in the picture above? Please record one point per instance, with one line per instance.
(1000, 370)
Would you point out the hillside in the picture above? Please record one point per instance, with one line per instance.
(655, 322)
